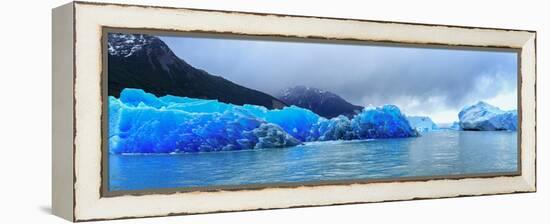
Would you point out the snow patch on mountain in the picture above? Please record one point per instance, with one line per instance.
(126, 45)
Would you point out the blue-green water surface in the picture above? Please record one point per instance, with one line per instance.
(434, 153)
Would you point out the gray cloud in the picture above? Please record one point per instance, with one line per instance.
(420, 80)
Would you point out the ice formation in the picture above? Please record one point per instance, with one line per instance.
(485, 117)
(140, 122)
(338, 128)
(455, 126)
(422, 123)
(382, 122)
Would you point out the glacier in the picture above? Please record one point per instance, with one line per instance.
(141, 122)
(485, 117)
(422, 123)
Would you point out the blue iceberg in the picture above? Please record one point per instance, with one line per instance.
(295, 120)
(273, 136)
(372, 123)
(338, 128)
(140, 122)
(422, 123)
(485, 117)
(382, 122)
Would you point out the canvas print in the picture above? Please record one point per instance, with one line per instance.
(207, 111)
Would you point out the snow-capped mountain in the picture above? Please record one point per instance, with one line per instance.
(146, 62)
(485, 117)
(321, 102)
(127, 44)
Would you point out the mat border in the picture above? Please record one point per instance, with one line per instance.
(105, 192)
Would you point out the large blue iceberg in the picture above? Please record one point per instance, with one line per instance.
(422, 123)
(140, 122)
(485, 117)
(382, 122)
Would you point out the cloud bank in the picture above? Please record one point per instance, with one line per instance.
(421, 81)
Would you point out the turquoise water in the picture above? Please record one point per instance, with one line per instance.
(434, 153)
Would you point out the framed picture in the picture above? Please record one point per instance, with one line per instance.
(166, 111)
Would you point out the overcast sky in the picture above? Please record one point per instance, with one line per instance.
(420, 81)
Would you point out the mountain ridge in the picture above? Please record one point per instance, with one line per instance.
(145, 62)
(324, 103)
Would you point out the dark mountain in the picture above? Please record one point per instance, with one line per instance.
(146, 62)
(321, 102)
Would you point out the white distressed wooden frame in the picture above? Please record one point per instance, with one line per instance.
(77, 108)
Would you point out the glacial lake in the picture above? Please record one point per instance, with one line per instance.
(433, 154)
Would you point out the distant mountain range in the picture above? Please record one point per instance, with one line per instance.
(146, 62)
(323, 103)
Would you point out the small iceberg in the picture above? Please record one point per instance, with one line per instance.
(422, 123)
(485, 117)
